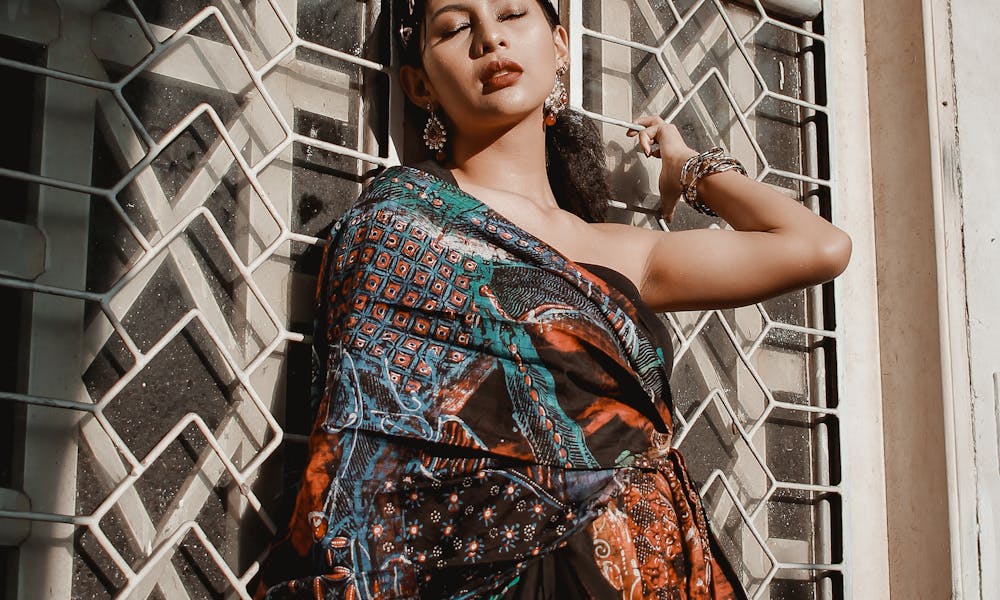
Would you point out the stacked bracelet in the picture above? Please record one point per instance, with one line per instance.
(702, 165)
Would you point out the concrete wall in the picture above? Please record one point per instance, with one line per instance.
(916, 482)
(976, 40)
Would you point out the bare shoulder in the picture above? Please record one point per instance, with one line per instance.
(625, 248)
(614, 230)
(622, 238)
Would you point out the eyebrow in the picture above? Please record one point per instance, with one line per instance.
(448, 8)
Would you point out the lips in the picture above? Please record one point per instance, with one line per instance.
(500, 73)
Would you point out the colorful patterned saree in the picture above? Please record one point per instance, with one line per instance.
(493, 421)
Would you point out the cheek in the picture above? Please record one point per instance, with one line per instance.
(446, 74)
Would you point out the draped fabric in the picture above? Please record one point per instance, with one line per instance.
(492, 420)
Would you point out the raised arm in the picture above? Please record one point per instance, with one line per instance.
(776, 245)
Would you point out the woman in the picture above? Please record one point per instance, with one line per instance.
(494, 404)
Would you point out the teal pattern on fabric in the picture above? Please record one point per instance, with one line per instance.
(481, 398)
(418, 259)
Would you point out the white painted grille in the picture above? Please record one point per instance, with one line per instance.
(186, 158)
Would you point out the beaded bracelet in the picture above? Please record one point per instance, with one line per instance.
(702, 165)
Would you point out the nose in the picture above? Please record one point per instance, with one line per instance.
(491, 37)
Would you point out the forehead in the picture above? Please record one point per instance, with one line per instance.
(435, 7)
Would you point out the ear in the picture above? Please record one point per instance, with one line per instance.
(560, 39)
(417, 87)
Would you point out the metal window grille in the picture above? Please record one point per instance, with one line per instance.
(754, 389)
(176, 164)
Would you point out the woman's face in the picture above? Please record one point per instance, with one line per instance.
(487, 63)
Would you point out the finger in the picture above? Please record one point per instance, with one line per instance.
(670, 217)
(665, 214)
(652, 130)
(655, 132)
(644, 142)
(652, 143)
(649, 120)
(659, 140)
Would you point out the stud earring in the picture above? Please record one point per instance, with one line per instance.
(557, 99)
(435, 134)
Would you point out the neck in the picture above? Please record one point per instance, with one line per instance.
(511, 159)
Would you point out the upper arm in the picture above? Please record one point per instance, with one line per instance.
(721, 268)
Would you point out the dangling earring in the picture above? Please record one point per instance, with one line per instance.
(557, 99)
(435, 134)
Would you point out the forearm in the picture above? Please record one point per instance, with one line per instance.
(776, 245)
(748, 205)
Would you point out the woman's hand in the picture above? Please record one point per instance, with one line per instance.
(672, 152)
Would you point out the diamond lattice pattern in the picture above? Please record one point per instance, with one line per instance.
(220, 138)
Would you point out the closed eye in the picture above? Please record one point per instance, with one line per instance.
(454, 30)
(463, 26)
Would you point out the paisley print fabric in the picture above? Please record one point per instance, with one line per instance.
(492, 421)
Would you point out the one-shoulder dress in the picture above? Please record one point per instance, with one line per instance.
(493, 420)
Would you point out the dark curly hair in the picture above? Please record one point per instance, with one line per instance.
(576, 166)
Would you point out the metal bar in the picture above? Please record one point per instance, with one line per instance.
(803, 9)
(734, 497)
(57, 74)
(52, 182)
(808, 487)
(36, 400)
(811, 566)
(48, 469)
(103, 443)
(45, 517)
(163, 552)
(147, 31)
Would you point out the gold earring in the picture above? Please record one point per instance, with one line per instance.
(435, 133)
(557, 99)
